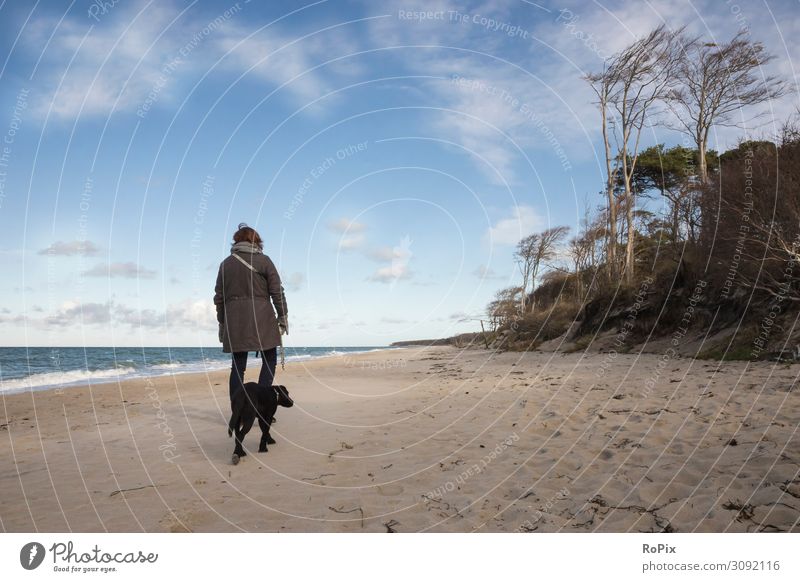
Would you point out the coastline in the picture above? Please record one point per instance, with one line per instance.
(417, 439)
(118, 374)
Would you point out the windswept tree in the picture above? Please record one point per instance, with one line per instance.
(604, 85)
(525, 256)
(645, 72)
(582, 250)
(631, 83)
(717, 81)
(504, 307)
(533, 252)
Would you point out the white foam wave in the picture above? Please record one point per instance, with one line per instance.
(63, 378)
(82, 377)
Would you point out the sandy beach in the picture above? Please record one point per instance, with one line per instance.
(414, 439)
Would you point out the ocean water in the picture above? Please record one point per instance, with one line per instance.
(39, 368)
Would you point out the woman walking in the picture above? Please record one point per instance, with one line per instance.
(246, 283)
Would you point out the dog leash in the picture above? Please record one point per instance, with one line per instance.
(280, 335)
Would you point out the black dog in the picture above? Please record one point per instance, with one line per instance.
(251, 403)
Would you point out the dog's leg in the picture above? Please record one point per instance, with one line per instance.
(241, 432)
(266, 439)
(238, 451)
(266, 416)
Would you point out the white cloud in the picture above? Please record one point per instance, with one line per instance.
(68, 249)
(351, 233)
(508, 231)
(182, 315)
(114, 67)
(347, 226)
(141, 53)
(124, 270)
(290, 60)
(398, 257)
(351, 243)
(72, 312)
(391, 274)
(192, 314)
(399, 253)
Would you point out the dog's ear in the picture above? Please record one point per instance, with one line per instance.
(283, 396)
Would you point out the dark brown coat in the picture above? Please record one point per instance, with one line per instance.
(242, 298)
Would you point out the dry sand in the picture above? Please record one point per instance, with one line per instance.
(414, 439)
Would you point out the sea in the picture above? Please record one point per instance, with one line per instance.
(42, 368)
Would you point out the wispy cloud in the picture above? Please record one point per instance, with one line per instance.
(351, 233)
(290, 61)
(71, 248)
(72, 312)
(391, 274)
(387, 254)
(398, 258)
(508, 231)
(347, 226)
(186, 315)
(112, 67)
(142, 53)
(351, 243)
(123, 270)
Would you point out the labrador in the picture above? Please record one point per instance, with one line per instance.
(251, 403)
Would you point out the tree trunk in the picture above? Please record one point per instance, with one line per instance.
(702, 143)
(630, 241)
(629, 207)
(611, 248)
(703, 170)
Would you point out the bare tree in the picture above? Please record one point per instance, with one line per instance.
(717, 81)
(532, 252)
(546, 249)
(580, 249)
(504, 307)
(645, 72)
(604, 85)
(525, 255)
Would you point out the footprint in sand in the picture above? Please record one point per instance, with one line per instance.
(175, 523)
(390, 489)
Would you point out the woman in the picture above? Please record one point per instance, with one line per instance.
(246, 282)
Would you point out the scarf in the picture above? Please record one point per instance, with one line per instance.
(245, 247)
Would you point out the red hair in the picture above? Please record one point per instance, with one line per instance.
(247, 234)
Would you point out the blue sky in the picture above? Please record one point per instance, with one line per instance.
(389, 158)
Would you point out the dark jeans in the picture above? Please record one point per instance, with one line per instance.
(269, 359)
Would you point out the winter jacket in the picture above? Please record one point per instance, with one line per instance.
(242, 298)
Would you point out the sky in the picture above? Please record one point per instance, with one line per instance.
(391, 154)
